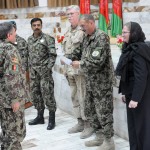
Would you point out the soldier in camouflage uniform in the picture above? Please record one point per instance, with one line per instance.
(42, 56)
(96, 63)
(22, 47)
(73, 39)
(12, 90)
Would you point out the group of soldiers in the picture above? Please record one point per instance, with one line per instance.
(91, 78)
(17, 57)
(91, 86)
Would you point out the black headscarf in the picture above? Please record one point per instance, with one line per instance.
(136, 40)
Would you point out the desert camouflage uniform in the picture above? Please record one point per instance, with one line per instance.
(12, 89)
(73, 39)
(96, 63)
(42, 56)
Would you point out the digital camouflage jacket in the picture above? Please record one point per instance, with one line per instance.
(12, 78)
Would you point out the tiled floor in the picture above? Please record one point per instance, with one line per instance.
(38, 138)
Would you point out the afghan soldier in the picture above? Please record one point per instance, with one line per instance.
(96, 63)
(22, 47)
(42, 56)
(12, 90)
(73, 39)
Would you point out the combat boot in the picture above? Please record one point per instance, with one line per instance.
(39, 119)
(2, 147)
(97, 141)
(88, 130)
(78, 127)
(51, 123)
(108, 144)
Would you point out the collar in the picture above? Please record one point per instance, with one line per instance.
(39, 37)
(93, 35)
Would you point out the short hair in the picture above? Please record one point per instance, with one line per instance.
(74, 7)
(87, 17)
(5, 28)
(14, 24)
(36, 19)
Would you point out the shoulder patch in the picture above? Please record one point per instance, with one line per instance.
(15, 60)
(95, 53)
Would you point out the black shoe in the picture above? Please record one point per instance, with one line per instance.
(51, 123)
(50, 126)
(2, 147)
(37, 120)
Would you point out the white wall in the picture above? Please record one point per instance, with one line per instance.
(42, 3)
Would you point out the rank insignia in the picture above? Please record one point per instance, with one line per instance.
(95, 53)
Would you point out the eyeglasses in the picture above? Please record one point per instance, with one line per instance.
(125, 32)
(71, 14)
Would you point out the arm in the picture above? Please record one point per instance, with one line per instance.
(140, 75)
(77, 53)
(51, 51)
(12, 77)
(97, 56)
(76, 49)
(26, 53)
(23, 51)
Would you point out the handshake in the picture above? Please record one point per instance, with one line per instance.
(66, 61)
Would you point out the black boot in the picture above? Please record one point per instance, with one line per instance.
(39, 119)
(51, 123)
(2, 147)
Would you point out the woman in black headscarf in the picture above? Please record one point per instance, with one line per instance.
(134, 68)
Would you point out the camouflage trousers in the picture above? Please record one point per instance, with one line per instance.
(78, 91)
(42, 90)
(13, 129)
(99, 110)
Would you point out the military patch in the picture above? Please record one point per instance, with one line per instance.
(95, 53)
(52, 50)
(42, 40)
(14, 60)
(15, 67)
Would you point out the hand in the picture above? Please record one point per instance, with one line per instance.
(15, 106)
(75, 64)
(62, 62)
(133, 104)
(123, 99)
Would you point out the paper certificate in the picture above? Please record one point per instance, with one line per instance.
(66, 61)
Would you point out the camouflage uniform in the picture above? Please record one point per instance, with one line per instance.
(73, 39)
(22, 46)
(12, 89)
(42, 56)
(96, 63)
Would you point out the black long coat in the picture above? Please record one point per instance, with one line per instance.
(136, 87)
